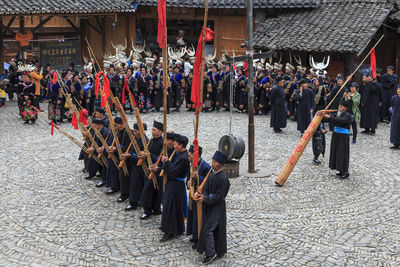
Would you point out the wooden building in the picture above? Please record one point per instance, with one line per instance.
(345, 30)
(106, 21)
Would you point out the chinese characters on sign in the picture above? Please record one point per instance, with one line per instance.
(59, 54)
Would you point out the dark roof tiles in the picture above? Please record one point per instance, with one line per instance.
(20, 7)
(335, 26)
(236, 3)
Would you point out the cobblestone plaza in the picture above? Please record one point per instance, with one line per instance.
(51, 216)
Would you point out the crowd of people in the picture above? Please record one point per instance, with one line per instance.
(286, 94)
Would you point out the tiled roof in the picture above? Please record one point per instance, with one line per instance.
(20, 7)
(335, 26)
(235, 3)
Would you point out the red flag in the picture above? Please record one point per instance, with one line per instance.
(52, 128)
(373, 63)
(195, 95)
(74, 121)
(82, 116)
(124, 88)
(133, 99)
(55, 77)
(106, 91)
(162, 17)
(106, 88)
(196, 152)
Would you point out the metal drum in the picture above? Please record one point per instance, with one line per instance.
(232, 146)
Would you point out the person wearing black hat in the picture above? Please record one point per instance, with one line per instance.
(203, 169)
(333, 92)
(340, 143)
(354, 99)
(369, 104)
(151, 197)
(278, 110)
(174, 197)
(137, 175)
(212, 238)
(100, 113)
(305, 105)
(215, 80)
(92, 165)
(389, 81)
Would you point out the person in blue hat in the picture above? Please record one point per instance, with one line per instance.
(212, 238)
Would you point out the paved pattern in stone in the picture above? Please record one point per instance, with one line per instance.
(50, 215)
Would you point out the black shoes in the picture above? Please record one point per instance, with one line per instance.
(194, 245)
(209, 259)
(122, 199)
(366, 131)
(339, 174)
(100, 184)
(157, 212)
(145, 216)
(111, 191)
(345, 176)
(316, 161)
(89, 177)
(372, 132)
(166, 237)
(394, 147)
(131, 207)
(277, 130)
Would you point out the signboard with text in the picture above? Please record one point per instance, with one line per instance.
(59, 54)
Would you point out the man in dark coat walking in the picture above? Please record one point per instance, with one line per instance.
(278, 109)
(212, 238)
(305, 105)
(340, 143)
(389, 81)
(369, 105)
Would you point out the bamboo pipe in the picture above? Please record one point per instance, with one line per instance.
(140, 161)
(170, 158)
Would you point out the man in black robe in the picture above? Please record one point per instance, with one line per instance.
(340, 143)
(212, 238)
(137, 175)
(389, 81)
(93, 166)
(331, 95)
(151, 197)
(203, 169)
(305, 105)
(370, 94)
(278, 109)
(174, 197)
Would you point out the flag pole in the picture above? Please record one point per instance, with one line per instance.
(165, 90)
(198, 111)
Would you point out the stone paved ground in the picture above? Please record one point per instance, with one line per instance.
(50, 215)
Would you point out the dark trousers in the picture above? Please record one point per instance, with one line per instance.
(151, 198)
(210, 242)
(92, 167)
(36, 101)
(137, 180)
(354, 127)
(177, 96)
(112, 179)
(124, 181)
